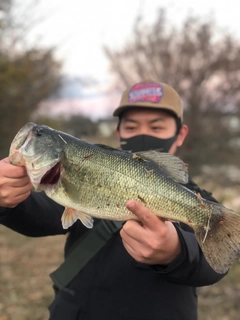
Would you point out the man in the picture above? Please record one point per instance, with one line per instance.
(148, 270)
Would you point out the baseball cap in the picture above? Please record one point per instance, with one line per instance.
(151, 94)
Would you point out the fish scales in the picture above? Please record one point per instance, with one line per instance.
(96, 181)
(100, 191)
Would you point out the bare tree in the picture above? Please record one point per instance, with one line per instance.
(27, 74)
(203, 64)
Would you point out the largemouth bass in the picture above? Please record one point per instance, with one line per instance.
(92, 180)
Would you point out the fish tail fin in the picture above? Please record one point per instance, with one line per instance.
(220, 239)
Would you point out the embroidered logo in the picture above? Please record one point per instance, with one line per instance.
(146, 92)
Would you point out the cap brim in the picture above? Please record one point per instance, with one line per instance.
(119, 110)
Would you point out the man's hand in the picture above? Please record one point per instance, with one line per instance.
(152, 241)
(15, 184)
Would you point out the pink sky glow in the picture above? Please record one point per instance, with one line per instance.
(95, 107)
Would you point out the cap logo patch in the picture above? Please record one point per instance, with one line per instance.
(146, 92)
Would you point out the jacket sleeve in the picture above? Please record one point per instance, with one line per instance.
(191, 268)
(37, 216)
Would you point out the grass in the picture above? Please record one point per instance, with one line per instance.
(221, 300)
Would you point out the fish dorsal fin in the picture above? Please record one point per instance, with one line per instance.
(108, 148)
(105, 147)
(174, 166)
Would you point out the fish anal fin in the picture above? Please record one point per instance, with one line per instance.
(174, 166)
(86, 220)
(71, 191)
(70, 216)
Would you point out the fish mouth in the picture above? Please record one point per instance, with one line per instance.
(42, 164)
(19, 142)
(52, 176)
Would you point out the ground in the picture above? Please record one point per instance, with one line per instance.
(26, 289)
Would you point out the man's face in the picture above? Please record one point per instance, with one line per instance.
(151, 122)
(147, 121)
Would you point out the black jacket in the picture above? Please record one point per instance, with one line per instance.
(113, 286)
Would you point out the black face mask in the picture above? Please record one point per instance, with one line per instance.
(144, 143)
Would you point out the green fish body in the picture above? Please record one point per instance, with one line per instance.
(92, 180)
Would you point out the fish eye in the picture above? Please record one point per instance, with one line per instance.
(39, 132)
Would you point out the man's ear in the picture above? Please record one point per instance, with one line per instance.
(117, 133)
(182, 135)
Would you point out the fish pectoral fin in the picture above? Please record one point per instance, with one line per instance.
(71, 215)
(71, 191)
(174, 166)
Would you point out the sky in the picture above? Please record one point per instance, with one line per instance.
(79, 29)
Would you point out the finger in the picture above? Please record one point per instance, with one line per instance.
(148, 218)
(15, 172)
(130, 234)
(137, 253)
(23, 194)
(19, 183)
(15, 200)
(133, 229)
(6, 160)
(11, 171)
(131, 250)
(9, 190)
(10, 195)
(23, 189)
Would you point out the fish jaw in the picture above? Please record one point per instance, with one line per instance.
(42, 173)
(19, 142)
